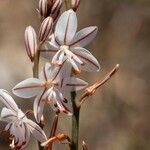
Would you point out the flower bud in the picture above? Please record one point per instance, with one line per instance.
(55, 11)
(45, 29)
(30, 42)
(56, 6)
(43, 8)
(75, 4)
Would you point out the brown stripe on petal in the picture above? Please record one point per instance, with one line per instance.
(66, 30)
(49, 50)
(28, 87)
(40, 99)
(79, 40)
(44, 72)
(7, 103)
(34, 128)
(75, 84)
(87, 60)
(8, 116)
(59, 70)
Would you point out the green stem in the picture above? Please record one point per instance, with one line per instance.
(75, 123)
(67, 4)
(36, 75)
(36, 65)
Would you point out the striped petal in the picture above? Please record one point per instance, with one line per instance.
(90, 62)
(8, 101)
(28, 88)
(73, 84)
(39, 106)
(66, 27)
(45, 73)
(49, 48)
(35, 129)
(84, 36)
(8, 115)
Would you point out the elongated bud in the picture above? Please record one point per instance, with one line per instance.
(30, 42)
(56, 6)
(45, 29)
(43, 8)
(75, 4)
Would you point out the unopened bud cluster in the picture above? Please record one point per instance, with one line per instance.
(49, 8)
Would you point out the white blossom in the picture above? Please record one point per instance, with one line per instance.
(19, 126)
(66, 43)
(47, 89)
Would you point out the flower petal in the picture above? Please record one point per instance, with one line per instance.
(73, 84)
(49, 48)
(8, 115)
(66, 27)
(28, 88)
(84, 36)
(90, 62)
(39, 106)
(35, 129)
(45, 72)
(8, 101)
(63, 71)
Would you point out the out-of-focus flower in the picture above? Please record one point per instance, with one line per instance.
(47, 89)
(45, 29)
(67, 44)
(75, 4)
(30, 42)
(19, 126)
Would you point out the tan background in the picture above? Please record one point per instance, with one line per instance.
(118, 116)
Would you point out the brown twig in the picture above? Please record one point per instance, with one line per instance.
(89, 91)
(59, 137)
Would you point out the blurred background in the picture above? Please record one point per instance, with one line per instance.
(117, 117)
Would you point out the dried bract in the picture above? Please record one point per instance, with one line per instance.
(45, 29)
(30, 42)
(92, 89)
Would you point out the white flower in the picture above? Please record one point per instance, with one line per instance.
(46, 89)
(18, 125)
(66, 43)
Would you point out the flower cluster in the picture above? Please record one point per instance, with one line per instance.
(60, 43)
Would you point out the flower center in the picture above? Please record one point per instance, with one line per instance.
(64, 48)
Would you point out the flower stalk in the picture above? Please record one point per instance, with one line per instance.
(67, 4)
(75, 123)
(35, 75)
